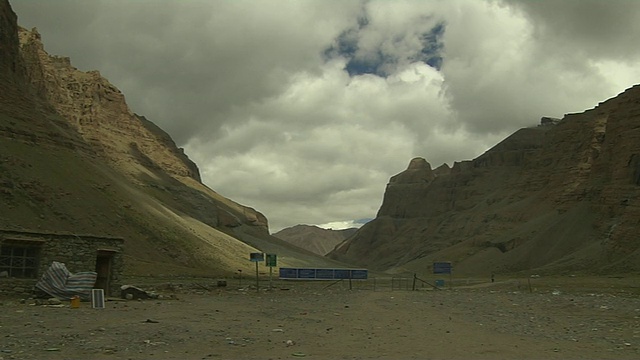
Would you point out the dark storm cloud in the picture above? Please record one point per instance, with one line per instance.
(595, 28)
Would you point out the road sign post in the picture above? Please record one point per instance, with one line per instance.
(271, 261)
(257, 257)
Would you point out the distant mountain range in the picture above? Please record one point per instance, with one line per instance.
(315, 239)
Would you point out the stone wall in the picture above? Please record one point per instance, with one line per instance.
(77, 252)
(10, 287)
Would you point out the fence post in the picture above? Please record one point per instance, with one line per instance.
(414, 282)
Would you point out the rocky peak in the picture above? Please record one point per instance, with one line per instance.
(548, 121)
(418, 171)
(418, 163)
(99, 113)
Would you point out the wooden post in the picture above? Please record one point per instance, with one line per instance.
(414, 282)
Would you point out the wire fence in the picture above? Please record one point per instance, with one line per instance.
(392, 283)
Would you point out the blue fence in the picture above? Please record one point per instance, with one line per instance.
(323, 274)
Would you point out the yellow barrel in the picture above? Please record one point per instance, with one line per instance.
(75, 302)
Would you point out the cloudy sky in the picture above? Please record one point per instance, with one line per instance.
(303, 109)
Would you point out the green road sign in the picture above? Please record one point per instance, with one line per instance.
(271, 260)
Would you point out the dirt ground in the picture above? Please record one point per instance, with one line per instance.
(504, 320)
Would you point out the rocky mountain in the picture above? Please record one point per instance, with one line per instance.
(312, 238)
(560, 197)
(74, 158)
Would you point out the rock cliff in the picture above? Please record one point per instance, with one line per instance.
(99, 113)
(562, 196)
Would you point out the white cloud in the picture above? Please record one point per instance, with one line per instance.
(275, 121)
(340, 225)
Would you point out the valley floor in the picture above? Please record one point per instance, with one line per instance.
(504, 320)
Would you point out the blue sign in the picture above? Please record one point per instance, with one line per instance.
(323, 274)
(442, 267)
(256, 257)
(306, 273)
(342, 274)
(288, 273)
(359, 274)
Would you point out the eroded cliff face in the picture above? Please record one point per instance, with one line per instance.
(25, 118)
(560, 196)
(98, 112)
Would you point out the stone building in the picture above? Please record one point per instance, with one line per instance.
(25, 255)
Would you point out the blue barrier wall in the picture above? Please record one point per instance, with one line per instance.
(323, 274)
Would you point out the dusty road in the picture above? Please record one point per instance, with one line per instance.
(309, 321)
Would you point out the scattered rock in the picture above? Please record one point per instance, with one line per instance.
(54, 301)
(131, 292)
(290, 342)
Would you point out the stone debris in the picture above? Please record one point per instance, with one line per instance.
(131, 292)
(289, 342)
(54, 301)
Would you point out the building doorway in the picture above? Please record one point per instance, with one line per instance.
(104, 262)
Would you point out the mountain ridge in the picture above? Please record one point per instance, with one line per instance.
(559, 197)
